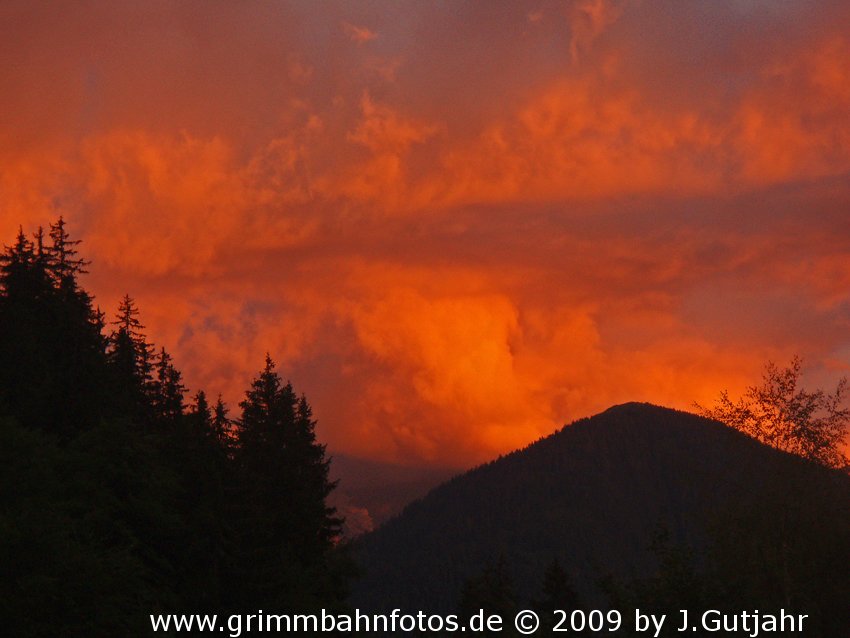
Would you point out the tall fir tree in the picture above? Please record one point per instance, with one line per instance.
(221, 424)
(129, 357)
(167, 390)
(201, 414)
(287, 528)
(65, 264)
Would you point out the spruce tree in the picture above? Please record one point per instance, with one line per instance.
(287, 529)
(129, 359)
(200, 413)
(65, 264)
(167, 390)
(221, 424)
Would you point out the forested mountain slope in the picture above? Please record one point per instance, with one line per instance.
(593, 496)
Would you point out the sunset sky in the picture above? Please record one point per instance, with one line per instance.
(454, 225)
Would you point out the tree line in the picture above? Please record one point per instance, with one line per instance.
(121, 496)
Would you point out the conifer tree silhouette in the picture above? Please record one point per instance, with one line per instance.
(65, 265)
(130, 357)
(221, 424)
(167, 390)
(286, 526)
(201, 413)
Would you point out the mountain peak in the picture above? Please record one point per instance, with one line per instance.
(591, 495)
(636, 406)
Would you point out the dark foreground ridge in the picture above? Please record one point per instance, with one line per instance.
(593, 495)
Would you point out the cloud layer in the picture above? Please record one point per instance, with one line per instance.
(456, 227)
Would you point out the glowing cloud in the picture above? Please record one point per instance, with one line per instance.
(458, 235)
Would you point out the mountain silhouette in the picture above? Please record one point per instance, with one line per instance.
(591, 496)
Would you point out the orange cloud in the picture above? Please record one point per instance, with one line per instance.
(358, 34)
(480, 226)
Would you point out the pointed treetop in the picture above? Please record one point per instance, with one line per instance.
(99, 319)
(164, 361)
(66, 264)
(20, 273)
(201, 406)
(39, 244)
(221, 424)
(167, 389)
(220, 410)
(21, 252)
(21, 241)
(129, 347)
(128, 317)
